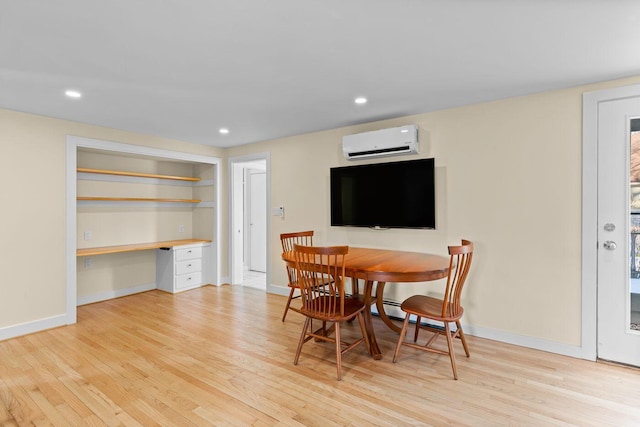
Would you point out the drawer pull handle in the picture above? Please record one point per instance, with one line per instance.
(189, 251)
(189, 265)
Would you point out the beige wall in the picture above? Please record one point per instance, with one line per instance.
(508, 177)
(32, 170)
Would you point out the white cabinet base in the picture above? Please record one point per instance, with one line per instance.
(180, 268)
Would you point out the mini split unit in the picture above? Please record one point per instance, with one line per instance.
(379, 143)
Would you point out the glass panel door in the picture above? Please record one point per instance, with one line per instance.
(618, 272)
(634, 226)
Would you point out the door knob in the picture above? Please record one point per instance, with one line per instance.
(610, 245)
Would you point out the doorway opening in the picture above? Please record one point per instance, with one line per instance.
(249, 225)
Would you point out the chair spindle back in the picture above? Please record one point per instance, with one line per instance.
(287, 240)
(304, 238)
(320, 272)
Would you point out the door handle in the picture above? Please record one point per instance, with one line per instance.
(610, 245)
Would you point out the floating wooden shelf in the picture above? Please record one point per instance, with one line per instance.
(136, 174)
(103, 250)
(139, 199)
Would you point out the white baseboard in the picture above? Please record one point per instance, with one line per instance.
(508, 337)
(278, 290)
(529, 342)
(61, 320)
(31, 327)
(492, 334)
(103, 296)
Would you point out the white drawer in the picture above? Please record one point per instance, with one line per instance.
(188, 253)
(188, 266)
(188, 280)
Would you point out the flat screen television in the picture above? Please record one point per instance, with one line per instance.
(384, 195)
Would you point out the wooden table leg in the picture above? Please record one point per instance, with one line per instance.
(380, 307)
(374, 350)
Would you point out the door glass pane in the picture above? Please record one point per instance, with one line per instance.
(634, 226)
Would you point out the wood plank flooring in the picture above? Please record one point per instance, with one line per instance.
(222, 356)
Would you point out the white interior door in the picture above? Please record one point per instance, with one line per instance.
(618, 340)
(236, 220)
(257, 221)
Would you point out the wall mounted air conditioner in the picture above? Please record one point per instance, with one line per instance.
(378, 143)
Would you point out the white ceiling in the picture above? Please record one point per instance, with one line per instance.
(265, 69)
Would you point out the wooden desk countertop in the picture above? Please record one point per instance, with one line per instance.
(103, 250)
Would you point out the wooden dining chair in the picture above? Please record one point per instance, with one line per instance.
(320, 273)
(446, 310)
(304, 238)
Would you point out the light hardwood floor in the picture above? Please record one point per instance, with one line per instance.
(222, 356)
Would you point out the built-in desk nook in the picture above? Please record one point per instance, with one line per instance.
(180, 264)
(144, 219)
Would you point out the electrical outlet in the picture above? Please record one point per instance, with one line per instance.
(181, 228)
(87, 235)
(87, 262)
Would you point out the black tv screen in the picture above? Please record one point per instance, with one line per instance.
(385, 195)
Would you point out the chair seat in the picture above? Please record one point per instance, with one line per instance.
(352, 305)
(430, 307)
(433, 308)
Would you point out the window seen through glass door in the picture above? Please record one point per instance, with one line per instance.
(634, 225)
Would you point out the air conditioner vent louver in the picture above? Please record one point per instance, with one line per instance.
(379, 143)
(383, 151)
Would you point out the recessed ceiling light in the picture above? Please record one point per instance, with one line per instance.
(224, 131)
(73, 94)
(360, 100)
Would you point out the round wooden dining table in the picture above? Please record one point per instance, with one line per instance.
(380, 266)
